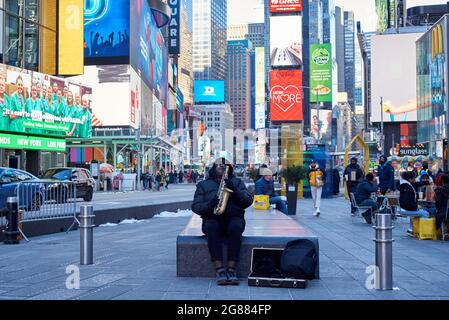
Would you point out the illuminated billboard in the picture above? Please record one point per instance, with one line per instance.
(321, 122)
(149, 54)
(286, 41)
(70, 45)
(285, 5)
(106, 31)
(393, 77)
(38, 104)
(286, 95)
(260, 116)
(206, 91)
(321, 72)
(260, 75)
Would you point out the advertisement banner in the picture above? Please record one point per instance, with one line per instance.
(285, 5)
(260, 116)
(13, 141)
(39, 104)
(71, 33)
(148, 53)
(321, 122)
(173, 27)
(286, 41)
(209, 91)
(106, 31)
(398, 89)
(321, 72)
(260, 75)
(286, 95)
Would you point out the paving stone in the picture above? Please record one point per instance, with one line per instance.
(59, 294)
(104, 293)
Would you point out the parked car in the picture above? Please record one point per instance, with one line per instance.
(82, 178)
(31, 194)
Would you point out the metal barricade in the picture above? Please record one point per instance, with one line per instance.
(47, 200)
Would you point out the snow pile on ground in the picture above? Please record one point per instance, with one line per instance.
(180, 213)
(108, 225)
(131, 221)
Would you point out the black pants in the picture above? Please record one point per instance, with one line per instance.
(217, 230)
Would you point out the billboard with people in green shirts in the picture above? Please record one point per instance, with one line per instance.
(321, 72)
(37, 104)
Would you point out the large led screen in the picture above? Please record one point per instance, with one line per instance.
(286, 95)
(321, 72)
(286, 41)
(393, 77)
(209, 91)
(285, 5)
(106, 31)
(38, 104)
(149, 55)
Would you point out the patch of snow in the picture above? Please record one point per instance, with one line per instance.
(180, 213)
(108, 225)
(131, 221)
(396, 289)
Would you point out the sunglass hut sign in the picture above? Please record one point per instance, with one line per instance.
(174, 27)
(416, 150)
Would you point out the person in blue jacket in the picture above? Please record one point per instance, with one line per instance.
(386, 175)
(265, 186)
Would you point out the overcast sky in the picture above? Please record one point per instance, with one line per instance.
(249, 11)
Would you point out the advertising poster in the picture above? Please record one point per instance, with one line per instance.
(286, 41)
(398, 105)
(260, 116)
(285, 5)
(37, 104)
(260, 75)
(209, 91)
(286, 95)
(148, 55)
(106, 30)
(321, 72)
(321, 124)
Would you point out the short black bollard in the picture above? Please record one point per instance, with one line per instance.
(12, 229)
(87, 235)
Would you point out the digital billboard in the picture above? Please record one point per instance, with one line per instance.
(260, 75)
(286, 41)
(285, 5)
(70, 45)
(206, 91)
(148, 54)
(106, 31)
(286, 95)
(321, 72)
(393, 77)
(38, 104)
(321, 122)
(260, 116)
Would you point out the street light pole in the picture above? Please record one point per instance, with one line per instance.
(382, 125)
(318, 115)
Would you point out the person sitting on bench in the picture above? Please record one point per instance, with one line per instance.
(265, 186)
(230, 224)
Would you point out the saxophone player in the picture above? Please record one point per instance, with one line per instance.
(229, 225)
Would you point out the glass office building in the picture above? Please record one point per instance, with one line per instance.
(28, 34)
(349, 35)
(432, 89)
(209, 39)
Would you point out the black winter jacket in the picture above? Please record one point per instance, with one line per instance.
(364, 191)
(408, 198)
(206, 191)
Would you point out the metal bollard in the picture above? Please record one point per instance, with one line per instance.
(105, 185)
(384, 251)
(12, 230)
(87, 235)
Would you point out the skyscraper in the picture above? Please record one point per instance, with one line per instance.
(349, 41)
(209, 39)
(238, 82)
(256, 34)
(185, 70)
(390, 14)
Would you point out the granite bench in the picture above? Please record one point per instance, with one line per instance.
(264, 229)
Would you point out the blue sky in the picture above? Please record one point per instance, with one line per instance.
(247, 11)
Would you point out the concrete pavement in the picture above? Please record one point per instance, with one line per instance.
(138, 261)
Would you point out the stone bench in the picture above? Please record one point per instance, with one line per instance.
(264, 229)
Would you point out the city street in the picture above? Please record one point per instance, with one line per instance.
(138, 261)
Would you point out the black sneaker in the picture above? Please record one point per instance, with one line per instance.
(222, 277)
(232, 277)
(367, 217)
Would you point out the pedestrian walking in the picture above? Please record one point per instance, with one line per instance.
(386, 176)
(353, 175)
(317, 178)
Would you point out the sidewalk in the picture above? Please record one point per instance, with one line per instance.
(138, 261)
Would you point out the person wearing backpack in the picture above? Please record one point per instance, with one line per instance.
(353, 175)
(317, 179)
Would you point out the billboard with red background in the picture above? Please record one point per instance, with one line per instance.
(286, 95)
(285, 5)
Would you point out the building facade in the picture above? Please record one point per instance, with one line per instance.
(237, 32)
(238, 82)
(209, 39)
(185, 61)
(426, 15)
(218, 121)
(349, 42)
(391, 14)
